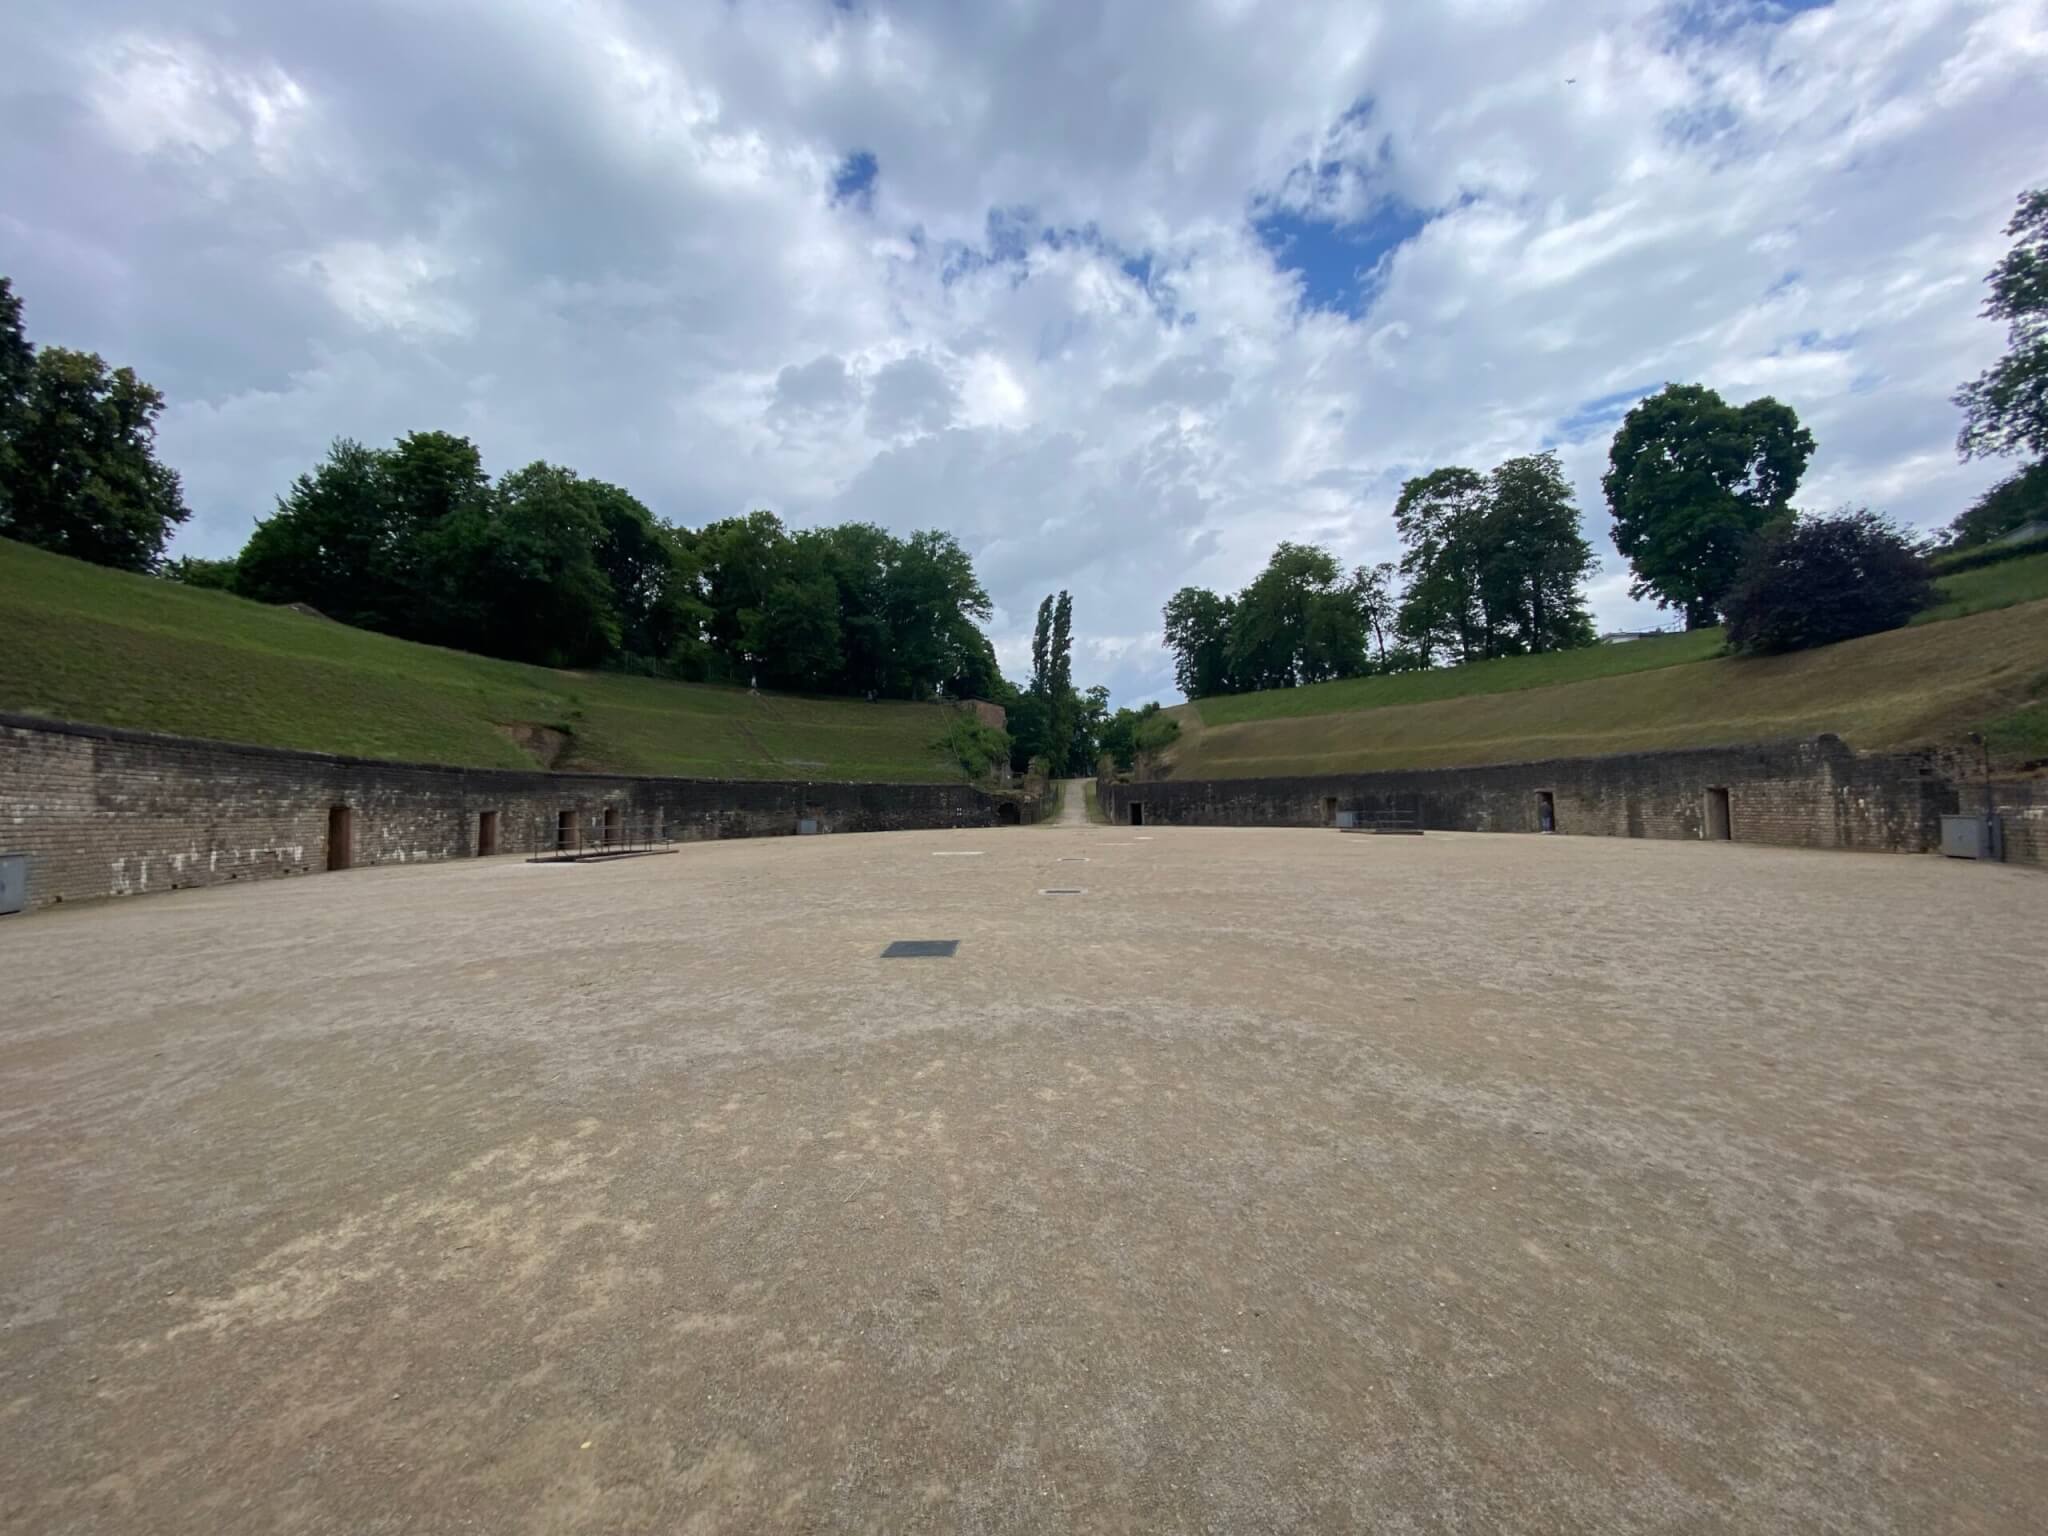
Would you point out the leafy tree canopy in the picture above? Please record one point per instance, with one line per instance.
(2020, 498)
(2005, 408)
(1691, 480)
(551, 567)
(1818, 580)
(78, 466)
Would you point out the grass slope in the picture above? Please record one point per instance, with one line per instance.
(1911, 686)
(1979, 591)
(81, 643)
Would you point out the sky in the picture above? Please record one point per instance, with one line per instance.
(1119, 294)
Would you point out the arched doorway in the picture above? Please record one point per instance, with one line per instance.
(1007, 814)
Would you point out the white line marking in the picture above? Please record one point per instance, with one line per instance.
(958, 853)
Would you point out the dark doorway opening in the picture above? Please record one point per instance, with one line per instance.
(565, 830)
(611, 825)
(1546, 811)
(1007, 815)
(1720, 825)
(486, 833)
(1329, 810)
(1137, 814)
(341, 837)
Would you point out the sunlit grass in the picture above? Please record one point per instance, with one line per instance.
(78, 642)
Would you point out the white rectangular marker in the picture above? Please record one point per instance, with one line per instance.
(958, 853)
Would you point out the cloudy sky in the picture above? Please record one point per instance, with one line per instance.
(1120, 294)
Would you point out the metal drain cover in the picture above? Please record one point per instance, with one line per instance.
(911, 949)
(1063, 890)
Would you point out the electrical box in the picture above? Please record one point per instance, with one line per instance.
(13, 882)
(1972, 837)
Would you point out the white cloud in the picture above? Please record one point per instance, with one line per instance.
(608, 235)
(406, 286)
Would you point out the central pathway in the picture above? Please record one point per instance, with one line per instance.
(1073, 803)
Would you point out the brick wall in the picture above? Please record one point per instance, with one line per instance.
(1812, 794)
(105, 812)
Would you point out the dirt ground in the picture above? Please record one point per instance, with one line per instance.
(1277, 1180)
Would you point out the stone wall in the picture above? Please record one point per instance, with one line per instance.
(2023, 812)
(1813, 794)
(104, 812)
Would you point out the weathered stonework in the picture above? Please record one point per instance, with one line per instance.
(1811, 794)
(104, 812)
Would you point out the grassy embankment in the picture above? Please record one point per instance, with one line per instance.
(81, 643)
(1978, 660)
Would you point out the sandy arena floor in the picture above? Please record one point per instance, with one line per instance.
(1279, 1180)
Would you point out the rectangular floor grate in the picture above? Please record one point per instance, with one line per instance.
(910, 949)
(1063, 890)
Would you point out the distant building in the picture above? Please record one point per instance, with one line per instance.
(1623, 636)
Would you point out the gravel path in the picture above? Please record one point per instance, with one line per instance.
(1073, 803)
(1278, 1181)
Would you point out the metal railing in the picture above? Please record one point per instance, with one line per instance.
(596, 835)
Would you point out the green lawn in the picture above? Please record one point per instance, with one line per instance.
(81, 643)
(1509, 674)
(1921, 685)
(1990, 587)
(1979, 591)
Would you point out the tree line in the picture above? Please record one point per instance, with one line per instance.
(548, 566)
(1701, 493)
(1492, 565)
(1067, 732)
(541, 565)
(78, 466)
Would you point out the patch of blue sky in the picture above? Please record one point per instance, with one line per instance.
(1340, 264)
(854, 180)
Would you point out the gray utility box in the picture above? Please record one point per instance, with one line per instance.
(13, 882)
(807, 826)
(1347, 820)
(1972, 837)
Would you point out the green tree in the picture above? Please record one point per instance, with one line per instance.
(1441, 517)
(1691, 480)
(1533, 560)
(81, 475)
(743, 559)
(795, 632)
(2020, 498)
(435, 511)
(2005, 408)
(1198, 633)
(553, 603)
(1060, 697)
(1091, 719)
(934, 602)
(858, 556)
(332, 543)
(1030, 725)
(1041, 650)
(1133, 738)
(650, 593)
(1372, 591)
(17, 368)
(976, 673)
(1818, 580)
(1297, 622)
(196, 571)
